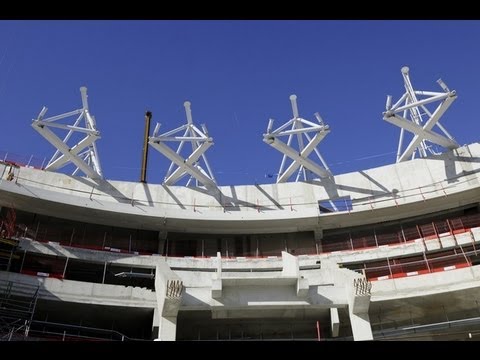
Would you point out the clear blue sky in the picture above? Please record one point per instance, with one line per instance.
(237, 74)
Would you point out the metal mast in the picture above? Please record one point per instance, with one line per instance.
(143, 170)
(191, 165)
(298, 128)
(84, 154)
(410, 113)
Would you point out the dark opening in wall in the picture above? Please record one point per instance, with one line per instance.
(239, 245)
(130, 276)
(80, 270)
(74, 233)
(132, 322)
(52, 266)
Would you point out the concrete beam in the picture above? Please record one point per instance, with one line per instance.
(290, 276)
(81, 292)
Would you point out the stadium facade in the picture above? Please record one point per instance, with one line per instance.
(383, 253)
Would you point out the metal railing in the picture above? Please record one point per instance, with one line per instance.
(22, 160)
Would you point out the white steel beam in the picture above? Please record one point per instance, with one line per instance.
(68, 127)
(180, 166)
(75, 150)
(298, 128)
(58, 117)
(179, 161)
(65, 150)
(94, 156)
(87, 161)
(425, 133)
(409, 116)
(180, 171)
(421, 133)
(298, 159)
(416, 104)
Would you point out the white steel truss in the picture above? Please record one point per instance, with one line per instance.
(84, 154)
(300, 128)
(190, 165)
(410, 113)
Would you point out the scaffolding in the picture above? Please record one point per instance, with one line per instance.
(16, 312)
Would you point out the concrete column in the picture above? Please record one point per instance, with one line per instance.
(164, 327)
(318, 236)
(162, 237)
(361, 328)
(168, 328)
(1, 221)
(169, 291)
(291, 269)
(217, 278)
(358, 309)
(335, 322)
(290, 265)
(155, 324)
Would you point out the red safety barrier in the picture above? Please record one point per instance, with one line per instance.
(397, 275)
(41, 274)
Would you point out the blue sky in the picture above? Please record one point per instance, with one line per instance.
(237, 74)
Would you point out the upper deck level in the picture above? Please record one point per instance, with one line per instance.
(385, 193)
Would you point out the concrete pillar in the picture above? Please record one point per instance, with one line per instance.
(164, 327)
(169, 291)
(290, 265)
(361, 328)
(318, 236)
(162, 237)
(335, 321)
(291, 269)
(168, 328)
(1, 221)
(217, 278)
(358, 309)
(155, 324)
